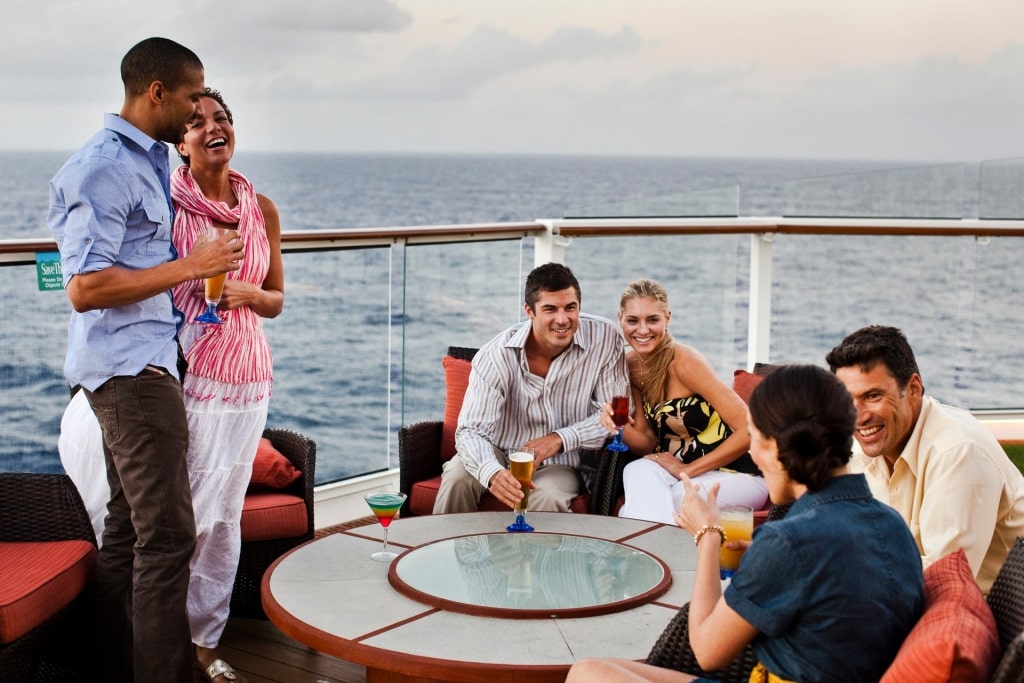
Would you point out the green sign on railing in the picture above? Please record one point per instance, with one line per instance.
(48, 271)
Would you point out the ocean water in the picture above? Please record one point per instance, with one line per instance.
(349, 313)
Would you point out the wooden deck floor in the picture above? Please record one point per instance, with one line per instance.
(263, 654)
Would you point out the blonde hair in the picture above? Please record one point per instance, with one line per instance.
(653, 370)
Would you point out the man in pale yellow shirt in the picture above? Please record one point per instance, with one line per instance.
(937, 465)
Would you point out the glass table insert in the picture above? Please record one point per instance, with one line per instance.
(530, 575)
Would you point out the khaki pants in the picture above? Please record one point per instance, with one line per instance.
(556, 486)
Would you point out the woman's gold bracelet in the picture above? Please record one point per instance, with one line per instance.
(706, 528)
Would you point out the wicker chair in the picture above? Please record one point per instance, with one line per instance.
(419, 459)
(46, 508)
(1006, 599)
(672, 651)
(257, 556)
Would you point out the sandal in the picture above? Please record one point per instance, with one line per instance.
(220, 668)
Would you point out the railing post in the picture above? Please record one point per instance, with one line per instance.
(549, 247)
(759, 326)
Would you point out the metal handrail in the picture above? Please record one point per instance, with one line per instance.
(22, 251)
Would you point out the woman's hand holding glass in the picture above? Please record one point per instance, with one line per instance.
(696, 510)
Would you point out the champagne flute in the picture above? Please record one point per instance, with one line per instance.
(521, 465)
(385, 506)
(214, 286)
(620, 416)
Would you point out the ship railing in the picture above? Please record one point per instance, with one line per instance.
(370, 311)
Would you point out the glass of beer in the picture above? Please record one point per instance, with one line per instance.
(738, 523)
(521, 465)
(214, 287)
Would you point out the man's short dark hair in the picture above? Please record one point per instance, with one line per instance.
(550, 277)
(157, 59)
(872, 345)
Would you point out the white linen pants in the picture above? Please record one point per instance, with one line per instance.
(222, 445)
(653, 494)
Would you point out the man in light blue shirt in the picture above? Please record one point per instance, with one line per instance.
(111, 214)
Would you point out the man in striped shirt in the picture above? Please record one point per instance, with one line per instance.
(541, 384)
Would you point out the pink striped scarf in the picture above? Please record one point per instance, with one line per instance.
(195, 213)
(236, 352)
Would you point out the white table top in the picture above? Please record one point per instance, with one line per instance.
(329, 594)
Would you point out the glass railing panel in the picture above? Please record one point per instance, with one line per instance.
(705, 277)
(713, 202)
(336, 311)
(33, 392)
(921, 192)
(956, 307)
(996, 326)
(331, 356)
(1001, 189)
(458, 294)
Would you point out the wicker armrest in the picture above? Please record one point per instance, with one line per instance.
(419, 453)
(301, 451)
(1006, 599)
(42, 507)
(672, 651)
(604, 482)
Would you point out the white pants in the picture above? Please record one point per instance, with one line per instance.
(80, 445)
(222, 445)
(653, 494)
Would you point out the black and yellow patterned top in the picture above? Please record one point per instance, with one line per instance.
(690, 428)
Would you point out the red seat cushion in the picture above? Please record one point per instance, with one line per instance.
(38, 580)
(267, 516)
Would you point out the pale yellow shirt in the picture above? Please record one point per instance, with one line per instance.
(955, 487)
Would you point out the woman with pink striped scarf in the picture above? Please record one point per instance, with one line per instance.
(228, 384)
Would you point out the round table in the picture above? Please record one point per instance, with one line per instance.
(467, 602)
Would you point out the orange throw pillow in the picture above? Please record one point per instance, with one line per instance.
(456, 379)
(956, 638)
(270, 469)
(743, 383)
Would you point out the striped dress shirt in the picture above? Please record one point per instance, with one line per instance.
(506, 405)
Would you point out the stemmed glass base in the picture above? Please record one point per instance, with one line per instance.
(617, 444)
(383, 556)
(210, 316)
(520, 524)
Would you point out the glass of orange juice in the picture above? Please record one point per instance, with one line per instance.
(214, 286)
(738, 523)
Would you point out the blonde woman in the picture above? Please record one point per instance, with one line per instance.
(685, 421)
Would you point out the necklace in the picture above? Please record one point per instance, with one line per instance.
(643, 377)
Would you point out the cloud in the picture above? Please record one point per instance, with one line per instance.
(350, 16)
(485, 55)
(68, 49)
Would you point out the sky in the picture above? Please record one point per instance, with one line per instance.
(915, 80)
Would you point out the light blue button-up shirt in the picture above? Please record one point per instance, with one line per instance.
(110, 205)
